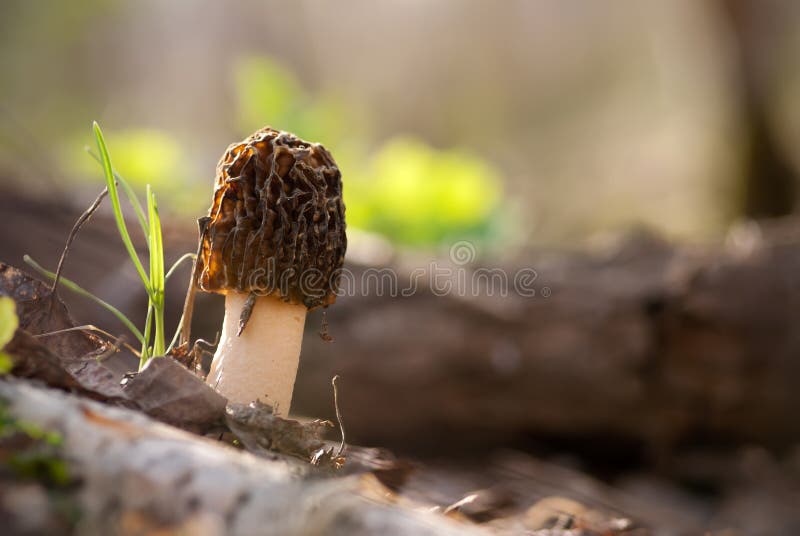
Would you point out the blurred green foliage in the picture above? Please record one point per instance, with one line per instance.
(146, 156)
(269, 94)
(417, 195)
(405, 190)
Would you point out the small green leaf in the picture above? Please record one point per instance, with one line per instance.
(8, 320)
(176, 264)
(6, 363)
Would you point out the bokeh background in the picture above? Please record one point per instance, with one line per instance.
(522, 127)
(519, 123)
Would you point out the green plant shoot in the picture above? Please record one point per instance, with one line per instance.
(154, 336)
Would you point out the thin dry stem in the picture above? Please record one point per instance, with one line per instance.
(338, 414)
(118, 341)
(72, 234)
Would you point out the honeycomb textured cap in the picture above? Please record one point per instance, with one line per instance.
(276, 224)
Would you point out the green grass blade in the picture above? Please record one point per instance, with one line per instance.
(129, 193)
(175, 337)
(148, 326)
(157, 277)
(113, 194)
(85, 293)
(176, 264)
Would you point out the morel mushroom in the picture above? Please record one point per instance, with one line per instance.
(273, 243)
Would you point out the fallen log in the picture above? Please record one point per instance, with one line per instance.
(132, 475)
(643, 346)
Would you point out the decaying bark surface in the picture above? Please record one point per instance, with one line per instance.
(133, 475)
(645, 342)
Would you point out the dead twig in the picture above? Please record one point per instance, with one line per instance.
(117, 341)
(110, 350)
(193, 358)
(198, 351)
(338, 415)
(188, 304)
(72, 234)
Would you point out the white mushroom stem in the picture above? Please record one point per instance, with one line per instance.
(261, 363)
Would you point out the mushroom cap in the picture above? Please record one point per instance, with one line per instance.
(276, 223)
